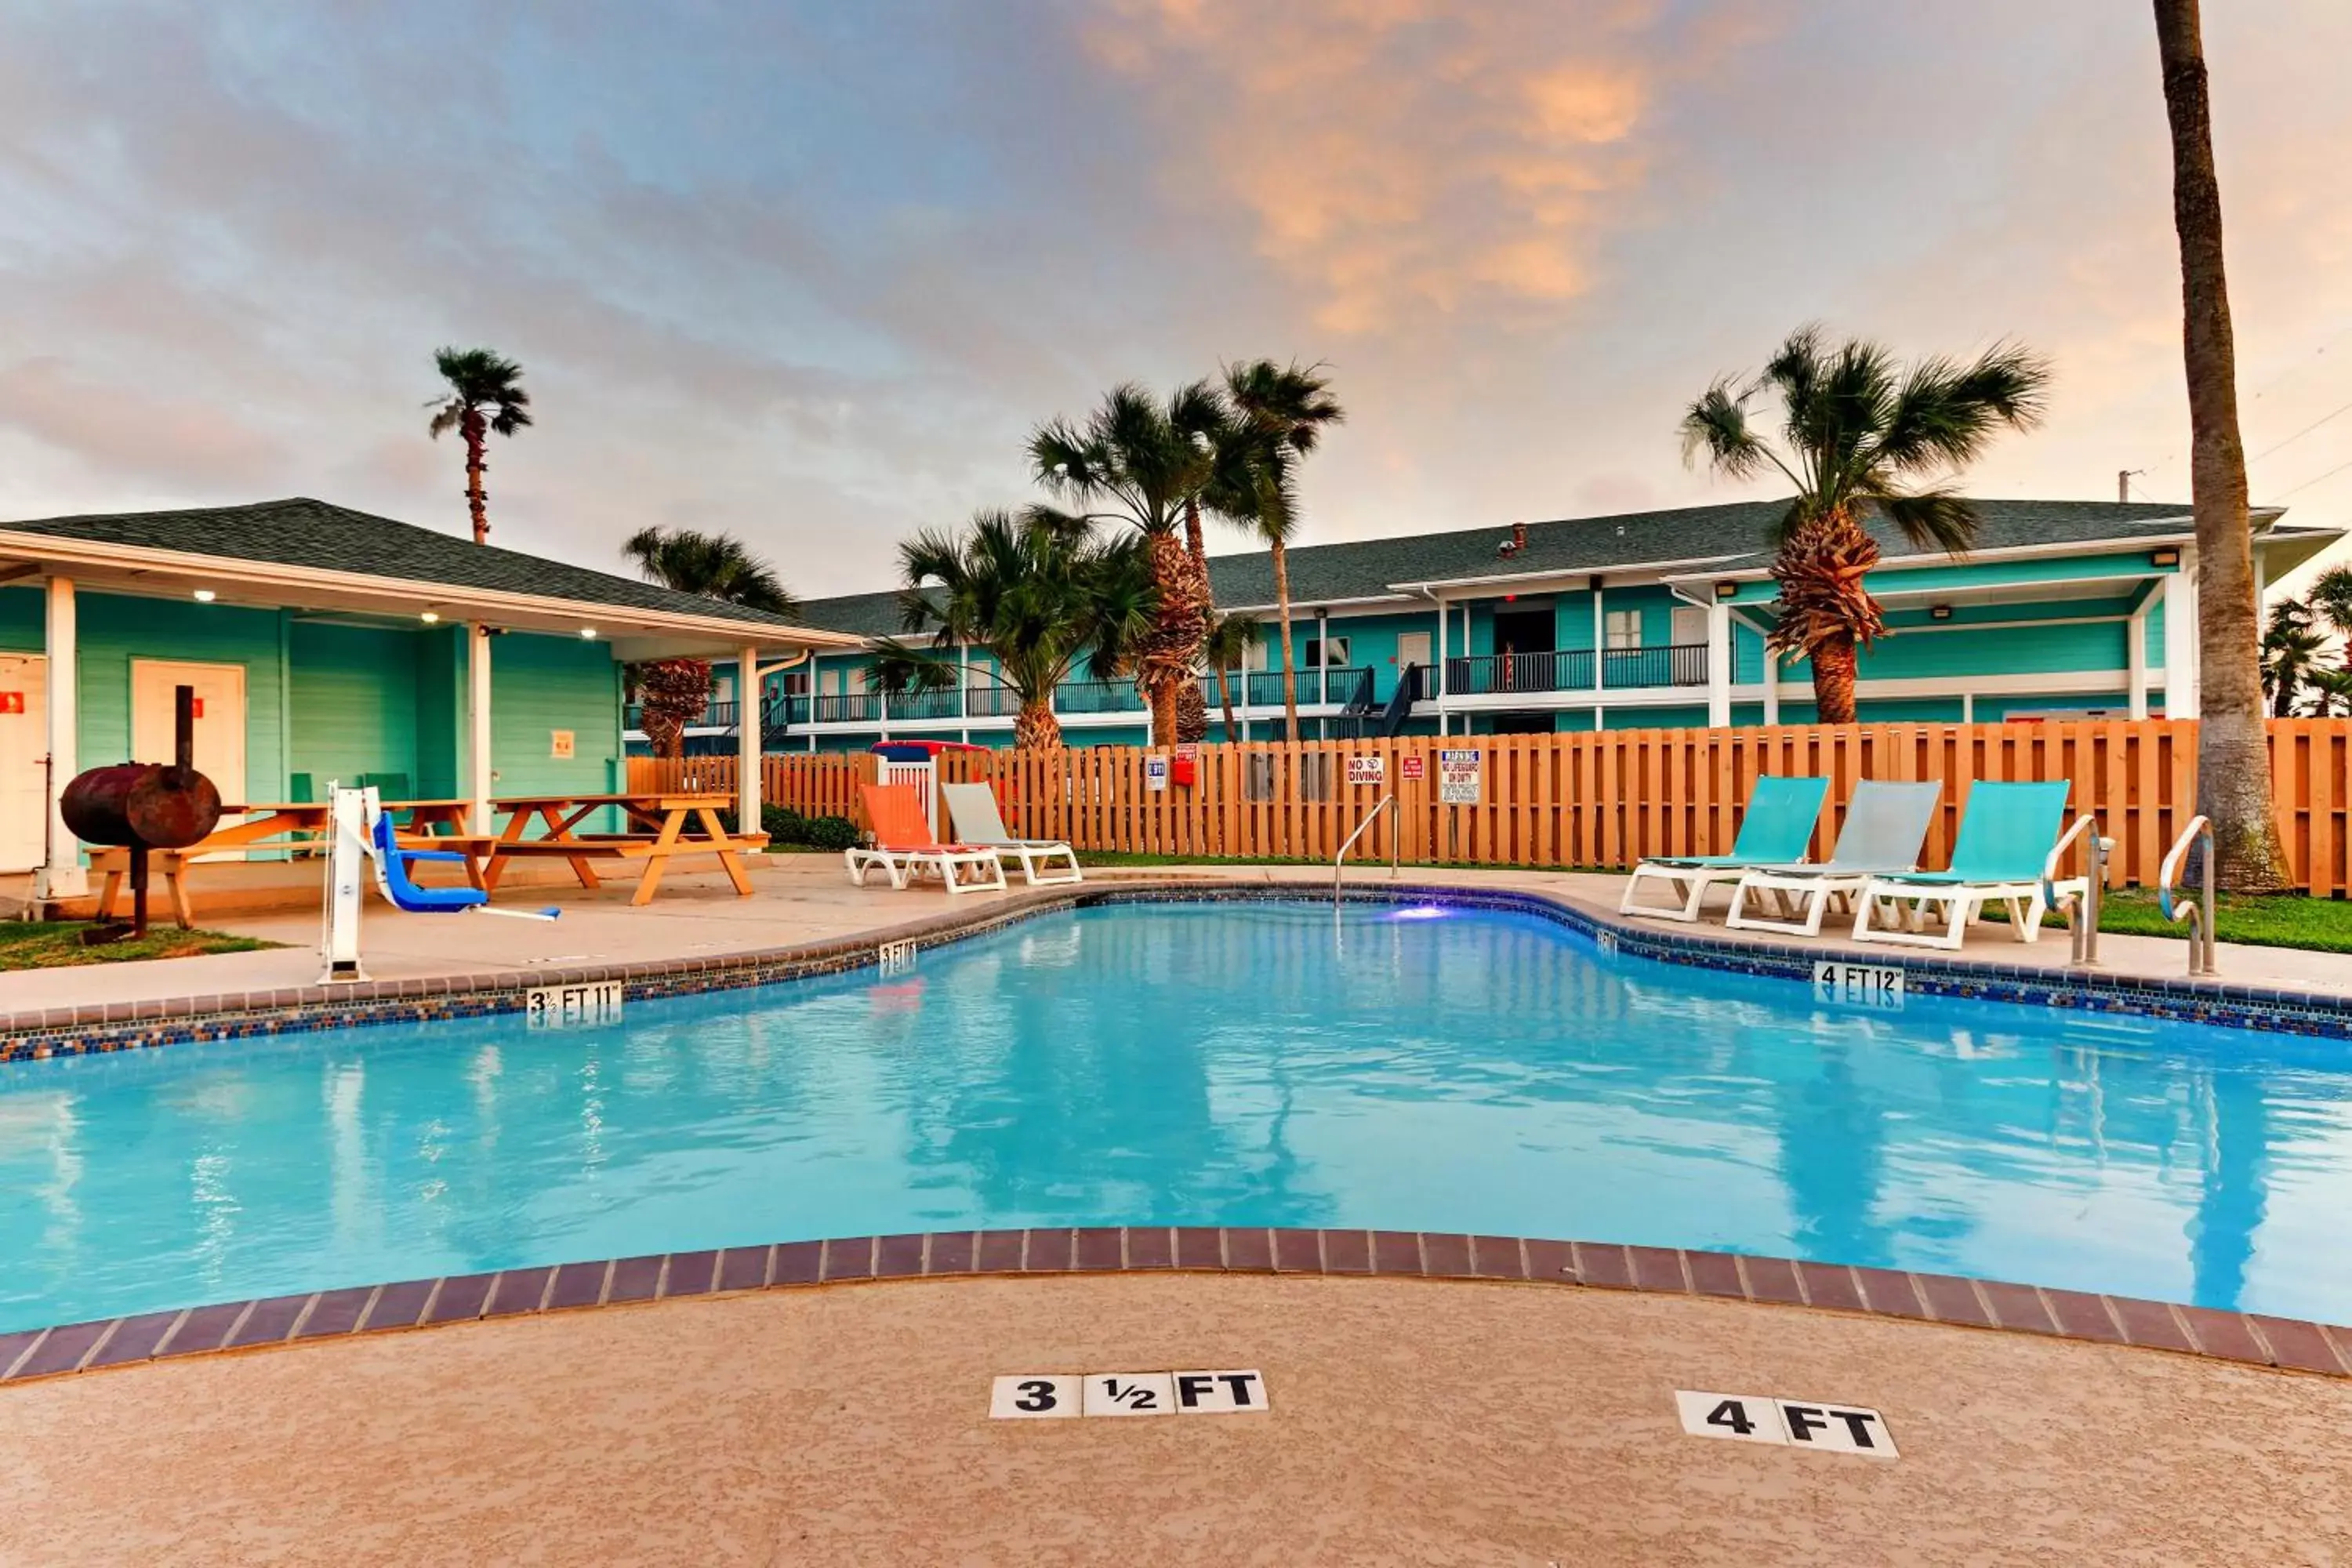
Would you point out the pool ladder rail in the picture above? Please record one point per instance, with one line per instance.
(2081, 910)
(1386, 803)
(2199, 912)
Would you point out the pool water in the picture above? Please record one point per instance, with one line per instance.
(1199, 1064)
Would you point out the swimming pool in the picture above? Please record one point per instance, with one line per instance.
(1231, 1063)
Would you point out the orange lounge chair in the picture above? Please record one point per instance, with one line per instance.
(903, 845)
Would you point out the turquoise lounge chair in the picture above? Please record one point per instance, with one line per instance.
(1886, 828)
(1776, 830)
(2007, 841)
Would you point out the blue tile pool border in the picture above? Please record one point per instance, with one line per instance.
(364, 1312)
(128, 1025)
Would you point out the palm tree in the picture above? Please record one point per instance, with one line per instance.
(712, 565)
(675, 692)
(485, 395)
(2330, 689)
(1227, 648)
(2292, 646)
(1860, 431)
(1279, 414)
(1149, 462)
(2234, 757)
(2331, 600)
(1039, 591)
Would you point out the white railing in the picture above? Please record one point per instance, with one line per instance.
(1386, 803)
(2198, 913)
(2081, 909)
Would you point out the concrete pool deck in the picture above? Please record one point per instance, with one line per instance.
(805, 899)
(1411, 1422)
(1414, 1420)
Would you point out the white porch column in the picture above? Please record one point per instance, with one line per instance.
(62, 876)
(1718, 664)
(1322, 658)
(2180, 639)
(478, 727)
(1442, 658)
(1771, 687)
(747, 744)
(2136, 659)
(1599, 643)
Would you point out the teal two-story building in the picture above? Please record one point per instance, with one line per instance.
(1647, 619)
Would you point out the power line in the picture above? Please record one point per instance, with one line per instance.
(2300, 434)
(2309, 483)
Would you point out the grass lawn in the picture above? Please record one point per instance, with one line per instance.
(54, 944)
(2319, 925)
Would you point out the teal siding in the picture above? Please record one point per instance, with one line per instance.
(440, 725)
(23, 620)
(541, 684)
(354, 695)
(115, 630)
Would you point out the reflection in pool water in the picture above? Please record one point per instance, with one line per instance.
(1199, 1064)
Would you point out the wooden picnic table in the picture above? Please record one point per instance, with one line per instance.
(300, 824)
(660, 823)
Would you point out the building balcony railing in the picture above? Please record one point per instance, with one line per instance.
(990, 703)
(1621, 668)
(1342, 685)
(1097, 697)
(715, 716)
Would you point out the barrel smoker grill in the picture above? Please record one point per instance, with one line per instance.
(141, 806)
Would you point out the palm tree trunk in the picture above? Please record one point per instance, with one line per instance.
(1037, 729)
(1281, 613)
(478, 500)
(1835, 661)
(2233, 762)
(1225, 701)
(1172, 649)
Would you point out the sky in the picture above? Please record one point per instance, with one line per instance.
(809, 271)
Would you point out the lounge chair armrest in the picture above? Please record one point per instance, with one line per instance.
(447, 854)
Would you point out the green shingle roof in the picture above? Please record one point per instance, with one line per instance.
(1367, 569)
(303, 532)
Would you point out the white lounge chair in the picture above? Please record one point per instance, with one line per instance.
(1776, 830)
(904, 847)
(978, 822)
(2006, 851)
(1886, 828)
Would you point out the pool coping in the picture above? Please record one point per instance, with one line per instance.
(309, 1009)
(99, 1027)
(323, 1317)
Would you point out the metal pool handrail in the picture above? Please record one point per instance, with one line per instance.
(2199, 914)
(2081, 924)
(1385, 803)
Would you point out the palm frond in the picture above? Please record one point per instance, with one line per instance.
(1939, 519)
(1717, 424)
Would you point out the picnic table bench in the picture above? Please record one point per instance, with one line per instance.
(659, 821)
(285, 824)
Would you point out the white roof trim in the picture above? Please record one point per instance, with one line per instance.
(67, 556)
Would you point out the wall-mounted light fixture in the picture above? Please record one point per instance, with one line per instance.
(1727, 590)
(588, 634)
(2164, 557)
(1939, 612)
(205, 595)
(431, 618)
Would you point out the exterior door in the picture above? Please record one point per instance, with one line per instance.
(24, 748)
(220, 720)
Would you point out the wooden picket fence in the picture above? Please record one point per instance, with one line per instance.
(1590, 799)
